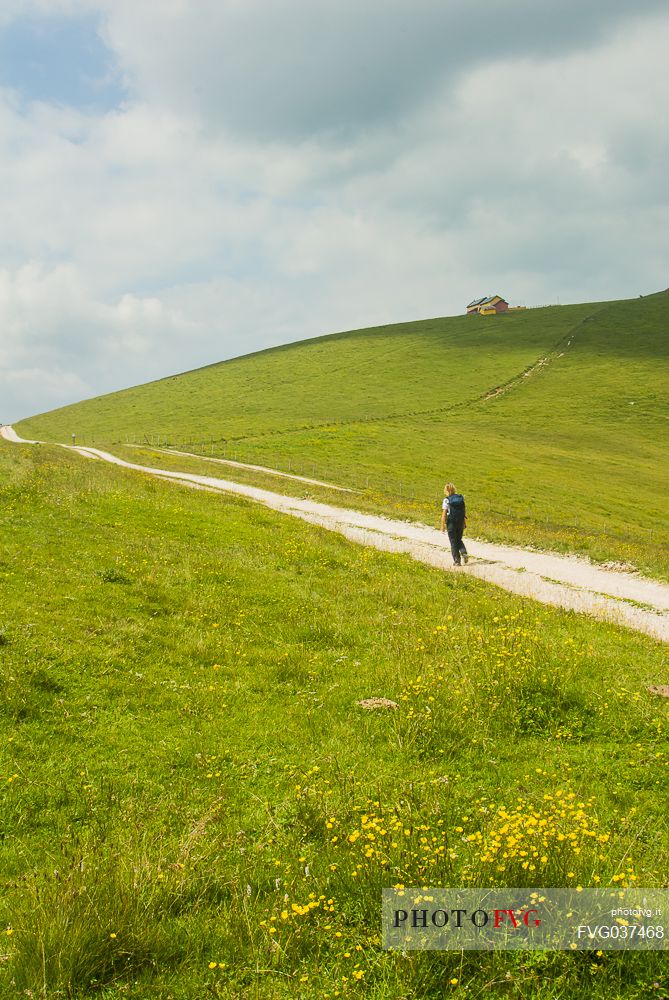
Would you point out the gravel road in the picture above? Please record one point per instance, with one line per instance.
(569, 582)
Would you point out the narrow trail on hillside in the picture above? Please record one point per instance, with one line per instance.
(551, 355)
(254, 468)
(554, 354)
(567, 582)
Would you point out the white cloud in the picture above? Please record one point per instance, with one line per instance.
(279, 69)
(59, 342)
(164, 235)
(59, 387)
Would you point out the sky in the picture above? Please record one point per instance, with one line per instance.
(185, 181)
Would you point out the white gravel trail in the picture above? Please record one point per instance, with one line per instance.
(569, 582)
(253, 468)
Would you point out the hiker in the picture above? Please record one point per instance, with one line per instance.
(454, 520)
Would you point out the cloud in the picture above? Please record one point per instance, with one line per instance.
(250, 192)
(59, 342)
(54, 385)
(288, 69)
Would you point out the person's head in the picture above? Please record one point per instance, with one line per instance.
(449, 489)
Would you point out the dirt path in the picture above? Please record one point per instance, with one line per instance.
(253, 468)
(564, 581)
(558, 351)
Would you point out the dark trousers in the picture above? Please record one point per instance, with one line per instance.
(458, 549)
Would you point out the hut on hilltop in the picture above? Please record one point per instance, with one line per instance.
(487, 306)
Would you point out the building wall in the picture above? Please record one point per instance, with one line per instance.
(498, 304)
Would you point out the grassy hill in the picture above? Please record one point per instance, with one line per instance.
(192, 804)
(552, 421)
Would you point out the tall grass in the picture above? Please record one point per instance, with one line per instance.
(194, 804)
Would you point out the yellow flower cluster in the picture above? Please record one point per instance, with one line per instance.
(417, 695)
(560, 835)
(293, 910)
(387, 842)
(557, 838)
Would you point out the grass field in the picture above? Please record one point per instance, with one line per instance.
(570, 455)
(193, 804)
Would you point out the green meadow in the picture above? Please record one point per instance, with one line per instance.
(552, 421)
(193, 803)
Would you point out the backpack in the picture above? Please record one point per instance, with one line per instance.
(456, 507)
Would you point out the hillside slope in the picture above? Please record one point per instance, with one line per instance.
(553, 421)
(381, 372)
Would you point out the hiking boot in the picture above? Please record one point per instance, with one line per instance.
(465, 558)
